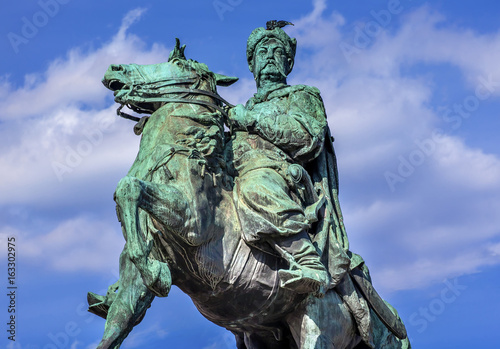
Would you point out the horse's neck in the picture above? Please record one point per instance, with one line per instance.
(175, 119)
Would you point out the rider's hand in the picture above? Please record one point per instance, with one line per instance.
(237, 113)
(238, 117)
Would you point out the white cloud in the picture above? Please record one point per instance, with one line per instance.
(223, 341)
(468, 168)
(92, 345)
(64, 156)
(425, 271)
(426, 36)
(310, 30)
(79, 244)
(61, 137)
(441, 218)
(130, 18)
(63, 146)
(75, 79)
(240, 93)
(139, 338)
(495, 249)
(438, 223)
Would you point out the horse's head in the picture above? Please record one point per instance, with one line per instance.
(143, 87)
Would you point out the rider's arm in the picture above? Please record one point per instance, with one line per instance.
(300, 131)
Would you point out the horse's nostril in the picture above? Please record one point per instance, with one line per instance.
(116, 67)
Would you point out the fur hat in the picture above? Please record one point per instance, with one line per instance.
(261, 33)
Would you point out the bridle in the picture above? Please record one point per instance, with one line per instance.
(169, 86)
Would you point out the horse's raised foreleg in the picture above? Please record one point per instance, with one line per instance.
(164, 203)
(128, 307)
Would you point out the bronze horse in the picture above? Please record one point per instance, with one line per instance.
(181, 227)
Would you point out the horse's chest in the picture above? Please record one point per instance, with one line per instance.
(165, 133)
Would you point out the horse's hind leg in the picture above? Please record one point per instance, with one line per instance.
(128, 307)
(164, 203)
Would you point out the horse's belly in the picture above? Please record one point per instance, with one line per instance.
(249, 294)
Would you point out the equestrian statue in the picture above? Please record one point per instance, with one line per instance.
(238, 207)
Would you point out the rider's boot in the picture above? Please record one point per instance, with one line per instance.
(306, 273)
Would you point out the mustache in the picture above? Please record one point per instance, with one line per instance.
(280, 67)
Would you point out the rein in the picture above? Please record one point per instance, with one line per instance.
(180, 90)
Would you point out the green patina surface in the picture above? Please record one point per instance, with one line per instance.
(246, 222)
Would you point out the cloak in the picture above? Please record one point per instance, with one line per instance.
(350, 276)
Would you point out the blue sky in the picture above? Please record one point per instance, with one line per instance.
(412, 91)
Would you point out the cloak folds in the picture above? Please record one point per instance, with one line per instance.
(350, 275)
(329, 234)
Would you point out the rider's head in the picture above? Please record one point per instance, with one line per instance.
(270, 54)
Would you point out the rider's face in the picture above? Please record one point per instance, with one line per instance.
(270, 61)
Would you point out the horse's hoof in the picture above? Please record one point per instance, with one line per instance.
(98, 304)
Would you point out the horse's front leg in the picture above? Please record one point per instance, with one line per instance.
(164, 203)
(128, 307)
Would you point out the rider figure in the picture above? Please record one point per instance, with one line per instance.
(276, 134)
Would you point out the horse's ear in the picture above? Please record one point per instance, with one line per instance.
(178, 51)
(224, 80)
